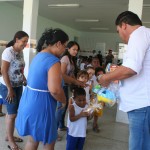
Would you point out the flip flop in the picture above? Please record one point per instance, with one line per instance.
(14, 148)
(17, 139)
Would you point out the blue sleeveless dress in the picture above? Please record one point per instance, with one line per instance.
(36, 112)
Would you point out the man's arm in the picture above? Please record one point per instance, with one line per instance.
(119, 74)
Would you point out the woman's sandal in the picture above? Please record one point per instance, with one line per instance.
(14, 148)
(16, 139)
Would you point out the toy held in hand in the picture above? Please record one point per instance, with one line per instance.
(106, 96)
(93, 107)
(96, 88)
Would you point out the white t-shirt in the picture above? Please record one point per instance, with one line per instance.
(16, 68)
(135, 91)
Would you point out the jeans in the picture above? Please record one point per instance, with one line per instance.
(61, 112)
(12, 107)
(139, 128)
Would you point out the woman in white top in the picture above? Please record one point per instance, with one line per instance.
(12, 84)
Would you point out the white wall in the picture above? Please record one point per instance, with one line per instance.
(11, 18)
(88, 40)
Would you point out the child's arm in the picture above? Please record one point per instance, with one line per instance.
(72, 114)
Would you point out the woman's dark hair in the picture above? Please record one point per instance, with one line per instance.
(78, 91)
(18, 35)
(72, 59)
(50, 37)
(129, 18)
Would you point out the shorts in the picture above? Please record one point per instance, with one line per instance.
(12, 107)
(74, 143)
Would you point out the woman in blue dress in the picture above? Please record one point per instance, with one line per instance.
(36, 113)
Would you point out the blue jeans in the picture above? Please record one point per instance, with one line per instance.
(139, 128)
(12, 107)
(61, 112)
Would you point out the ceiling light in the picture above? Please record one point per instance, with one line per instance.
(9, 0)
(104, 29)
(146, 5)
(63, 5)
(87, 20)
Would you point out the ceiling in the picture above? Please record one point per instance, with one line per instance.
(104, 10)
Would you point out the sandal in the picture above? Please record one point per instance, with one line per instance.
(96, 129)
(2, 114)
(14, 148)
(16, 139)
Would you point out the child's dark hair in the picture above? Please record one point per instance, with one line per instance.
(18, 35)
(50, 37)
(98, 69)
(82, 72)
(78, 91)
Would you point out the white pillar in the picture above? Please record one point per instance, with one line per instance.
(30, 14)
(135, 6)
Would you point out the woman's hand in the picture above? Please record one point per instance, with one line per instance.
(10, 95)
(79, 83)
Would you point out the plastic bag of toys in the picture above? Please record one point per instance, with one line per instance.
(94, 107)
(107, 95)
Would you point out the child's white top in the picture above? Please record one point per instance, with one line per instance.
(77, 128)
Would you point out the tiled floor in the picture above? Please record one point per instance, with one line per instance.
(112, 136)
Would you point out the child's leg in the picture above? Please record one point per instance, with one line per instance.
(95, 124)
(95, 121)
(80, 143)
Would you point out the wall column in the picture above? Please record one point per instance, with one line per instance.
(30, 15)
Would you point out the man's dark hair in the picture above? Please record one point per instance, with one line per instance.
(129, 18)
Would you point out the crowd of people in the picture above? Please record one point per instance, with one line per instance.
(39, 112)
